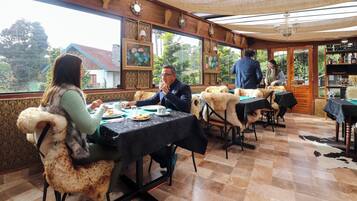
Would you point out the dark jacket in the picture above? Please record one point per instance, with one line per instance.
(178, 98)
(248, 73)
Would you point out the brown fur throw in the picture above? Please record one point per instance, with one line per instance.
(91, 180)
(195, 106)
(351, 92)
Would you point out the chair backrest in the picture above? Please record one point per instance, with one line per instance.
(143, 95)
(223, 106)
(196, 105)
(248, 92)
(277, 88)
(217, 89)
(352, 79)
(351, 92)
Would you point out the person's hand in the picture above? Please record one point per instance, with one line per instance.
(129, 104)
(164, 88)
(96, 104)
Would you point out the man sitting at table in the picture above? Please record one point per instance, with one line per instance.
(172, 94)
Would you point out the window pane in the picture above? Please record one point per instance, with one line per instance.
(34, 34)
(262, 58)
(227, 57)
(322, 70)
(281, 60)
(182, 52)
(301, 67)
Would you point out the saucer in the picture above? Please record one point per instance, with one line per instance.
(162, 114)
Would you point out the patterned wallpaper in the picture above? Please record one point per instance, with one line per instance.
(16, 152)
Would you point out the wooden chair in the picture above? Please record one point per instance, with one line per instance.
(252, 118)
(269, 112)
(220, 111)
(92, 180)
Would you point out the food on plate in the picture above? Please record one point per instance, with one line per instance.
(141, 117)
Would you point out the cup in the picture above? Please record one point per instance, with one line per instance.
(161, 110)
(117, 106)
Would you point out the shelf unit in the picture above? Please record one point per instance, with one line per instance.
(337, 72)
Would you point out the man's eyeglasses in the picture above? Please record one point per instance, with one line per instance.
(165, 74)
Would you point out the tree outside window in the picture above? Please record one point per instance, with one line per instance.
(227, 57)
(182, 52)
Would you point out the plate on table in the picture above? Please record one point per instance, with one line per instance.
(141, 117)
(112, 113)
(151, 107)
(162, 114)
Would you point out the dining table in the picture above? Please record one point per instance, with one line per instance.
(134, 139)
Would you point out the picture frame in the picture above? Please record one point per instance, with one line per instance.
(137, 55)
(211, 63)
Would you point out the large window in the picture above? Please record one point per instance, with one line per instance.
(281, 59)
(301, 67)
(227, 57)
(182, 52)
(34, 34)
(322, 70)
(262, 58)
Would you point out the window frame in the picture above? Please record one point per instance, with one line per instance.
(86, 10)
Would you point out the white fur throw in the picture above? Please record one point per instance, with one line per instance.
(217, 89)
(92, 180)
(351, 92)
(142, 95)
(219, 103)
(195, 106)
(248, 92)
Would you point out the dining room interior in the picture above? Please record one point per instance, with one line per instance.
(163, 85)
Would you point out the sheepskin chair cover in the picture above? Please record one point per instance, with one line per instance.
(274, 105)
(251, 93)
(277, 88)
(217, 89)
(196, 105)
(92, 180)
(143, 95)
(351, 92)
(220, 102)
(248, 92)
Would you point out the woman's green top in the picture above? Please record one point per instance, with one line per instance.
(73, 104)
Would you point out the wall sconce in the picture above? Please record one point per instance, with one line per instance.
(142, 34)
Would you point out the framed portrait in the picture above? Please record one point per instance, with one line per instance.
(137, 55)
(211, 63)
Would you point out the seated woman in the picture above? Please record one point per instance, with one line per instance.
(64, 97)
(273, 76)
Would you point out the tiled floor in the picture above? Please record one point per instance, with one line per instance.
(282, 168)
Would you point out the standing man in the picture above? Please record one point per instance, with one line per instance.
(248, 72)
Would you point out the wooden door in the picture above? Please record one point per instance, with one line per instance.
(300, 80)
(296, 64)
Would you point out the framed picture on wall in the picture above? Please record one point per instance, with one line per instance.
(137, 55)
(211, 63)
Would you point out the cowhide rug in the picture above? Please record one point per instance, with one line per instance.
(331, 154)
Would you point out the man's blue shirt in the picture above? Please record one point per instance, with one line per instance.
(248, 73)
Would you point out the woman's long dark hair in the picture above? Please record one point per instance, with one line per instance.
(66, 70)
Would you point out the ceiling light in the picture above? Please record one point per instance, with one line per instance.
(286, 29)
(344, 41)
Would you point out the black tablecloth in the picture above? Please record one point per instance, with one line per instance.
(340, 110)
(285, 100)
(136, 139)
(248, 106)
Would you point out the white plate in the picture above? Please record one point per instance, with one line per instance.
(116, 113)
(162, 115)
(151, 107)
(141, 119)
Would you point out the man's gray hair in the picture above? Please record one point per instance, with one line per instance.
(171, 68)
